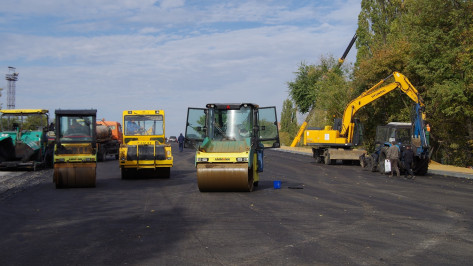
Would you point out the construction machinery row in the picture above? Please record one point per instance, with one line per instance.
(339, 142)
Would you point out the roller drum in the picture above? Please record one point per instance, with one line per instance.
(70, 175)
(224, 177)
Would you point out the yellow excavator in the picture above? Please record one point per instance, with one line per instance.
(230, 139)
(75, 153)
(338, 143)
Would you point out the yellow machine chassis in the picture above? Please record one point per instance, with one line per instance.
(144, 164)
(75, 170)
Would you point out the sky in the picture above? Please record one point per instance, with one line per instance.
(116, 55)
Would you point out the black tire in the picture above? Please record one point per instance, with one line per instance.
(421, 166)
(318, 159)
(164, 172)
(125, 174)
(100, 155)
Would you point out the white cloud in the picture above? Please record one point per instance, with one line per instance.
(155, 68)
(166, 4)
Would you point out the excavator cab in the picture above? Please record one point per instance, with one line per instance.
(230, 139)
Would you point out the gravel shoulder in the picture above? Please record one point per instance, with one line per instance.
(18, 181)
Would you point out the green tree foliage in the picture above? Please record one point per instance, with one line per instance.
(441, 36)
(324, 87)
(429, 41)
(289, 126)
(35, 122)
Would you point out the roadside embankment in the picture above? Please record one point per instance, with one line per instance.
(434, 167)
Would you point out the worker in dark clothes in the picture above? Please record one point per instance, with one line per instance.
(180, 139)
(408, 159)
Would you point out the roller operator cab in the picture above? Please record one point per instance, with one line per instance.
(75, 153)
(144, 152)
(230, 139)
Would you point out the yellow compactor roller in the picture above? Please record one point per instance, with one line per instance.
(144, 152)
(230, 139)
(75, 155)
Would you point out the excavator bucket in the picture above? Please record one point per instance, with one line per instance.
(71, 175)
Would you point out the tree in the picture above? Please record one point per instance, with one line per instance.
(288, 122)
(441, 36)
(429, 41)
(324, 88)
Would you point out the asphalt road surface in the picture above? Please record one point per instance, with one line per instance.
(322, 215)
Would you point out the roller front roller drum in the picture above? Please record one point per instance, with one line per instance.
(224, 177)
(71, 175)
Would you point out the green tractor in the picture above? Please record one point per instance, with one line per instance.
(24, 140)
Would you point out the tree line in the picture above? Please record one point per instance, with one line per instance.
(430, 42)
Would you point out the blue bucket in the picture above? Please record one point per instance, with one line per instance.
(277, 184)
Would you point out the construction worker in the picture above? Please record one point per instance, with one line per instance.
(180, 139)
(427, 134)
(392, 155)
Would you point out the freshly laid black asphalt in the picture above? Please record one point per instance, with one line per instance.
(322, 215)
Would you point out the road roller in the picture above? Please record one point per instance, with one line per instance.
(229, 139)
(144, 152)
(75, 154)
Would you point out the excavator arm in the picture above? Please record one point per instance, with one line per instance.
(373, 94)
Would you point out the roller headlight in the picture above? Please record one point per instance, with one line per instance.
(202, 159)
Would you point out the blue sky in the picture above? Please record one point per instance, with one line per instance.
(115, 55)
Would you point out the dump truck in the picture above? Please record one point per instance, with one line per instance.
(229, 139)
(339, 142)
(144, 152)
(109, 139)
(23, 139)
(75, 152)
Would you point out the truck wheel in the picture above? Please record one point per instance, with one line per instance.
(100, 155)
(318, 159)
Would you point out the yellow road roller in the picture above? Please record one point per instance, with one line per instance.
(75, 158)
(144, 152)
(230, 139)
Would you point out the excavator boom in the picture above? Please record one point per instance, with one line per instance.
(375, 93)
